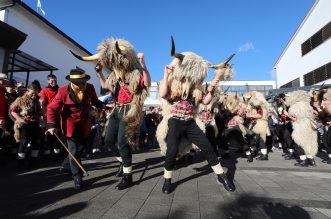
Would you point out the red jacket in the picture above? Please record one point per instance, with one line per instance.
(72, 113)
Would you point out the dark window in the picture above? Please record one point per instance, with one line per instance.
(296, 82)
(308, 78)
(328, 70)
(306, 47)
(317, 39)
(319, 74)
(326, 31)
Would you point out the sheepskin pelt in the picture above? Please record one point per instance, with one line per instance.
(25, 105)
(303, 133)
(188, 76)
(186, 81)
(297, 96)
(125, 68)
(255, 99)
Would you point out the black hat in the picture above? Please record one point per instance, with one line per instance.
(77, 75)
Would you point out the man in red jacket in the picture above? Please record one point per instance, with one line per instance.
(47, 94)
(3, 82)
(72, 104)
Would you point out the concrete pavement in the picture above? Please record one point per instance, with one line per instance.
(264, 189)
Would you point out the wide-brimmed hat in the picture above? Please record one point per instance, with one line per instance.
(77, 75)
(3, 77)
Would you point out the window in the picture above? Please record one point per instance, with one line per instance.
(320, 74)
(317, 39)
(293, 83)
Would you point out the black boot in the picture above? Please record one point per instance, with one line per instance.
(289, 156)
(327, 161)
(249, 158)
(167, 186)
(126, 182)
(222, 178)
(263, 157)
(120, 170)
(311, 162)
(78, 182)
(302, 163)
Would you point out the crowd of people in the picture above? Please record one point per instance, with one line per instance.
(36, 122)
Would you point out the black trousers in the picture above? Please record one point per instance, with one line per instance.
(116, 133)
(327, 140)
(210, 134)
(29, 132)
(179, 128)
(285, 138)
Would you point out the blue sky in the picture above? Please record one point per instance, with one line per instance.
(256, 30)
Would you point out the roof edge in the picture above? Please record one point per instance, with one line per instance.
(25, 6)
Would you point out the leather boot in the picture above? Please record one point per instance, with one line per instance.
(223, 179)
(327, 161)
(249, 158)
(263, 157)
(167, 186)
(126, 182)
(120, 170)
(302, 163)
(311, 162)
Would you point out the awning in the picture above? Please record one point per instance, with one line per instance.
(10, 37)
(20, 61)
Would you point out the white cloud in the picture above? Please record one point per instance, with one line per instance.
(246, 47)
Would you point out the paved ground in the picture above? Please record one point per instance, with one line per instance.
(272, 189)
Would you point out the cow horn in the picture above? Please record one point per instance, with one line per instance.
(173, 51)
(118, 49)
(222, 64)
(94, 57)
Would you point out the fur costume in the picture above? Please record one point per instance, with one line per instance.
(303, 133)
(233, 103)
(25, 105)
(255, 99)
(120, 58)
(185, 82)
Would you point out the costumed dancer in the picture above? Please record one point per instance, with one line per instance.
(181, 88)
(302, 115)
(26, 113)
(128, 84)
(257, 116)
(70, 108)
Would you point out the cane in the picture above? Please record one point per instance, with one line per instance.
(70, 154)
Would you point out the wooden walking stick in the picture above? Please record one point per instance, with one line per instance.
(70, 154)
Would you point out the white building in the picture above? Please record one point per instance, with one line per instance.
(306, 60)
(44, 49)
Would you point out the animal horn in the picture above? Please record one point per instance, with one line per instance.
(86, 58)
(118, 49)
(222, 64)
(173, 51)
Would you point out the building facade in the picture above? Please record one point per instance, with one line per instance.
(306, 60)
(44, 50)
